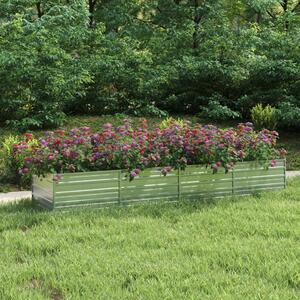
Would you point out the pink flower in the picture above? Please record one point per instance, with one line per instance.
(215, 167)
(85, 128)
(132, 174)
(71, 168)
(57, 177)
(137, 171)
(283, 152)
(133, 149)
(229, 166)
(23, 171)
(28, 136)
(241, 154)
(107, 126)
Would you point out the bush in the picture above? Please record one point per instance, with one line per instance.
(124, 148)
(169, 122)
(288, 115)
(218, 112)
(11, 163)
(8, 173)
(264, 117)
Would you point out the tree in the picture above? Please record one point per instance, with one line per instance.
(40, 65)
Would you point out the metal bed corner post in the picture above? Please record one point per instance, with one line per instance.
(53, 191)
(179, 182)
(284, 172)
(232, 178)
(119, 186)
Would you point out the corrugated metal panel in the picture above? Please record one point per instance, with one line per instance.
(42, 191)
(103, 188)
(87, 189)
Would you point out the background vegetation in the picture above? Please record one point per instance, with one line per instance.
(147, 57)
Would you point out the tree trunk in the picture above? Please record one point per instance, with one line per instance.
(39, 9)
(284, 5)
(258, 17)
(197, 20)
(92, 4)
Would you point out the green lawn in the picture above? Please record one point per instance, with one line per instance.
(243, 248)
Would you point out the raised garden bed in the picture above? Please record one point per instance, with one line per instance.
(104, 188)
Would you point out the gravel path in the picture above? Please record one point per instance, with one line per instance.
(14, 196)
(290, 174)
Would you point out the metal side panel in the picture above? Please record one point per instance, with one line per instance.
(105, 188)
(42, 191)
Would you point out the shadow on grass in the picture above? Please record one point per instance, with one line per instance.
(24, 215)
(149, 209)
(24, 205)
(155, 209)
(21, 215)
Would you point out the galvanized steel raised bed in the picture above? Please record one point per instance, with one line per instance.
(103, 188)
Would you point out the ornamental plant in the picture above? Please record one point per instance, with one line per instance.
(169, 122)
(123, 147)
(12, 164)
(264, 117)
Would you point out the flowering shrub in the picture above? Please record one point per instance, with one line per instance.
(125, 148)
(12, 163)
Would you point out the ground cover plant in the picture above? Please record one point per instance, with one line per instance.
(124, 147)
(241, 248)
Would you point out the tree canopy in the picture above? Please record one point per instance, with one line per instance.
(145, 57)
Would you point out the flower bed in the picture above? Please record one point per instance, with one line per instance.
(132, 151)
(173, 147)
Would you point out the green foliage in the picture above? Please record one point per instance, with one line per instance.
(216, 111)
(264, 117)
(45, 70)
(288, 115)
(4, 188)
(10, 163)
(169, 122)
(8, 170)
(144, 57)
(291, 142)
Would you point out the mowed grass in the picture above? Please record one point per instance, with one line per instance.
(243, 248)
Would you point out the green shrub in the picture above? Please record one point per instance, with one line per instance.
(4, 188)
(216, 111)
(288, 115)
(168, 122)
(264, 117)
(11, 164)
